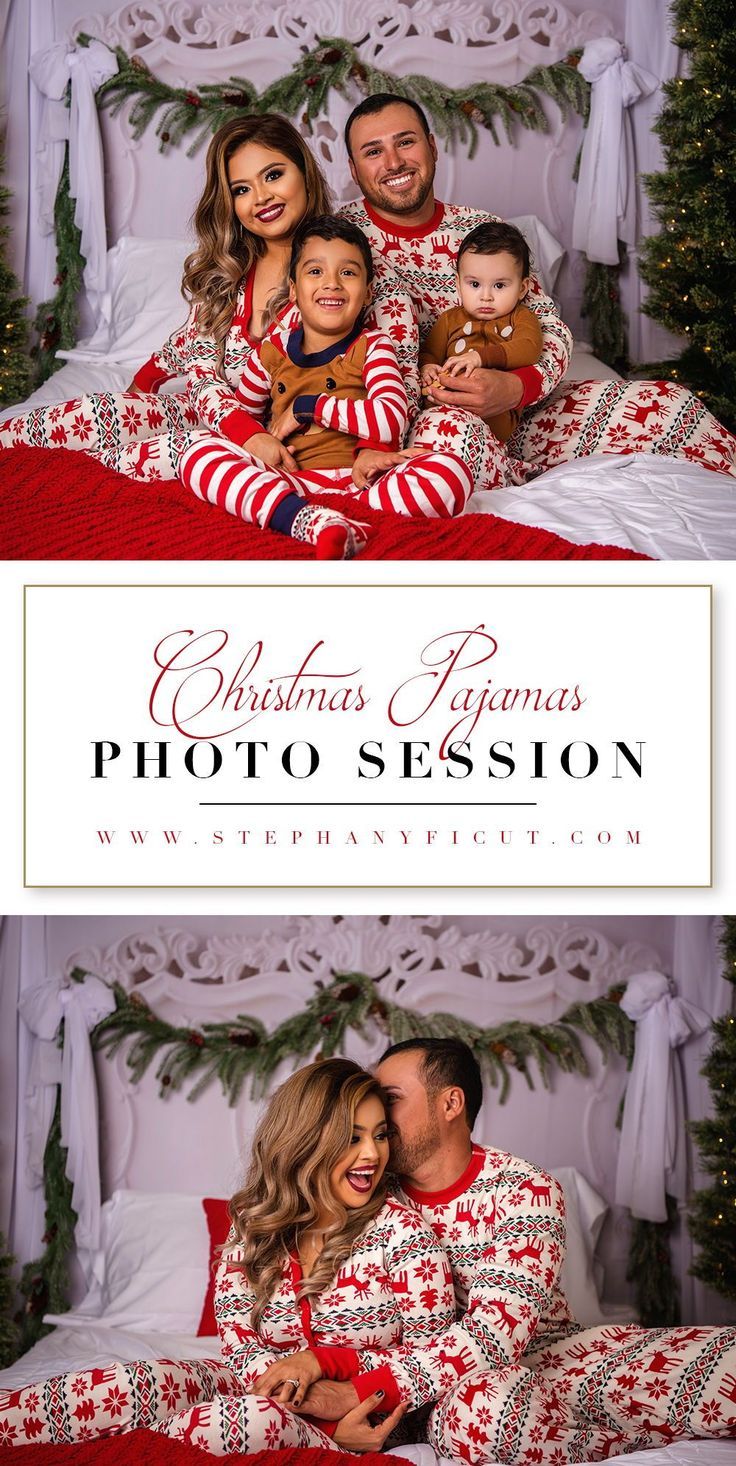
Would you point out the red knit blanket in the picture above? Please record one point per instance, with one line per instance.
(59, 505)
(146, 1446)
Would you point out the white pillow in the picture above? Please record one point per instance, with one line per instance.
(546, 251)
(152, 1268)
(143, 303)
(585, 1213)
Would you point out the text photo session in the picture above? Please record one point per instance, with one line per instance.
(299, 1189)
(426, 281)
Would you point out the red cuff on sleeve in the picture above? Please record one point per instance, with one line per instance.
(149, 377)
(531, 385)
(239, 426)
(336, 1362)
(376, 447)
(378, 1379)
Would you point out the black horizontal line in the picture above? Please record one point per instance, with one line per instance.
(353, 804)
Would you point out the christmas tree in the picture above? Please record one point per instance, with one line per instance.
(691, 266)
(15, 367)
(713, 1213)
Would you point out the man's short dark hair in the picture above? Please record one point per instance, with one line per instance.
(492, 238)
(378, 103)
(446, 1062)
(329, 226)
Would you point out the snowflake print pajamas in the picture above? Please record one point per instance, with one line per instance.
(416, 274)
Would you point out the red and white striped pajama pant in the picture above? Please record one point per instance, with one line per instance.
(436, 485)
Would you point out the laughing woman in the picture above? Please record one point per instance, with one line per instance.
(261, 181)
(320, 1265)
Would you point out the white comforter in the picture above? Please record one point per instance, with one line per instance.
(661, 507)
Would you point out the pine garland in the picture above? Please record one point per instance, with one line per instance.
(601, 304)
(236, 1051)
(15, 367)
(45, 1282)
(9, 1333)
(712, 1219)
(650, 1269)
(57, 320)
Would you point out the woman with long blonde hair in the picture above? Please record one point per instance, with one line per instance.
(321, 1270)
(261, 180)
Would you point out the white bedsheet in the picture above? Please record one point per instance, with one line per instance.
(661, 507)
(94, 1346)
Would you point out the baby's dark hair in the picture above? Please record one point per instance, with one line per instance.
(492, 238)
(329, 226)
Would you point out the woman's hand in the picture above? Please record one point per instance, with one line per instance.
(354, 1433)
(270, 451)
(485, 393)
(285, 425)
(462, 366)
(288, 1379)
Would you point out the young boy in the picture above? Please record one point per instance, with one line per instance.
(490, 328)
(333, 388)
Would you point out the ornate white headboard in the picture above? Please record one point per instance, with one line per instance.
(189, 43)
(170, 1144)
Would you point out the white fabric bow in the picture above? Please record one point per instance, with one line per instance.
(88, 67)
(605, 201)
(82, 1006)
(652, 1155)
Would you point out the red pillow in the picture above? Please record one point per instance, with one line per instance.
(218, 1223)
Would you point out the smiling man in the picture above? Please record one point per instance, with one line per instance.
(415, 240)
(515, 1378)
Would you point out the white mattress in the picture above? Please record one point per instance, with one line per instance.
(662, 507)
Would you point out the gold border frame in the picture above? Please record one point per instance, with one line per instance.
(376, 585)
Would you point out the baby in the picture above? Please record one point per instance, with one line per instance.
(491, 327)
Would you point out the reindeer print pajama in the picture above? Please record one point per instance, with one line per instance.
(415, 283)
(516, 1380)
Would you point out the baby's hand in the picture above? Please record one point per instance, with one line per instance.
(462, 366)
(285, 425)
(430, 373)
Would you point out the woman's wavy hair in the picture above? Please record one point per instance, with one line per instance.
(305, 1131)
(225, 250)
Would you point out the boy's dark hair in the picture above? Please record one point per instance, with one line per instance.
(445, 1062)
(329, 226)
(491, 238)
(378, 103)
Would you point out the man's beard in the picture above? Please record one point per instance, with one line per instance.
(384, 199)
(407, 1156)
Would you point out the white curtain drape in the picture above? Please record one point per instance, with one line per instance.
(648, 41)
(28, 25)
(23, 963)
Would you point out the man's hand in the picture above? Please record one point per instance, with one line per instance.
(487, 392)
(270, 451)
(288, 1379)
(328, 1399)
(354, 1433)
(370, 463)
(285, 425)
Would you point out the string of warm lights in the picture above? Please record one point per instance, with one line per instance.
(712, 1220)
